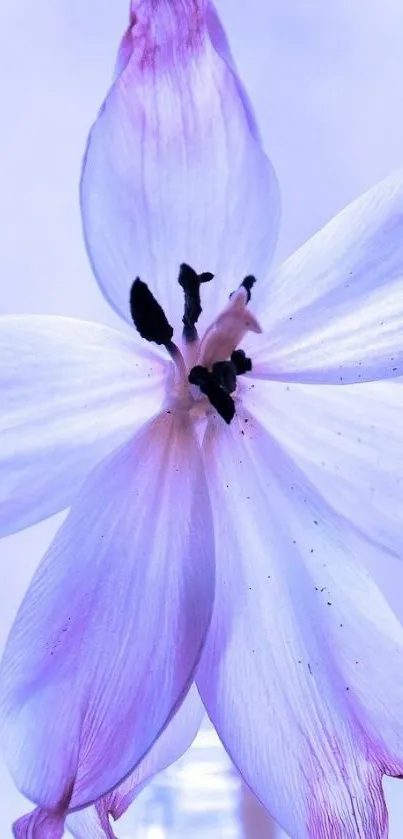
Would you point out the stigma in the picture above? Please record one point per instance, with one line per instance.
(225, 334)
(216, 359)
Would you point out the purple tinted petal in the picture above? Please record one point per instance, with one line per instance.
(171, 745)
(93, 823)
(174, 171)
(302, 672)
(334, 311)
(90, 823)
(348, 442)
(105, 644)
(39, 825)
(221, 44)
(70, 392)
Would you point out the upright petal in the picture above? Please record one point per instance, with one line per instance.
(334, 311)
(302, 673)
(348, 442)
(174, 171)
(222, 46)
(104, 647)
(70, 392)
(93, 823)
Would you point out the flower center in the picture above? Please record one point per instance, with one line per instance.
(217, 360)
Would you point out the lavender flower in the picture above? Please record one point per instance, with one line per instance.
(233, 465)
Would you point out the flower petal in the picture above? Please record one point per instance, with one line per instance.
(302, 672)
(93, 823)
(348, 442)
(90, 823)
(39, 825)
(104, 647)
(334, 311)
(174, 171)
(70, 392)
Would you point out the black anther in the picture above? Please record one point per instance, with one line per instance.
(247, 284)
(241, 362)
(224, 373)
(148, 316)
(191, 282)
(199, 376)
(218, 397)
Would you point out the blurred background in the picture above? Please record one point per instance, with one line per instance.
(326, 80)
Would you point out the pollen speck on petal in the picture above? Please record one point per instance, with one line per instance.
(302, 671)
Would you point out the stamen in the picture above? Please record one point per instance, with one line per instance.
(224, 372)
(219, 398)
(148, 316)
(191, 282)
(219, 359)
(241, 362)
(179, 362)
(247, 284)
(151, 322)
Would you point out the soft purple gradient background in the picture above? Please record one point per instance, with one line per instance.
(327, 83)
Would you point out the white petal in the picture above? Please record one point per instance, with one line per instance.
(105, 645)
(334, 311)
(302, 673)
(70, 392)
(174, 170)
(87, 824)
(349, 443)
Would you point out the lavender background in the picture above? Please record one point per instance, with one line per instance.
(326, 79)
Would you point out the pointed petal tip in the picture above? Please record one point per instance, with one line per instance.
(174, 170)
(157, 30)
(39, 824)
